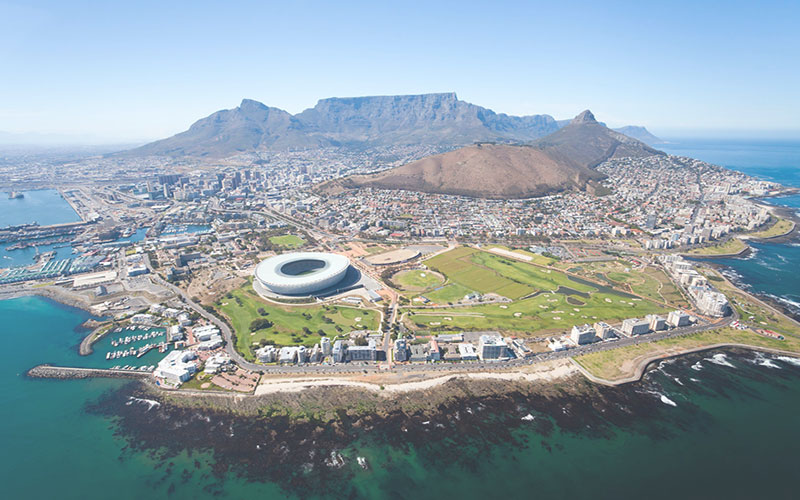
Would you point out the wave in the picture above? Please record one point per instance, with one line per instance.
(721, 360)
(790, 360)
(668, 401)
(696, 380)
(677, 380)
(697, 366)
(528, 418)
(149, 402)
(769, 364)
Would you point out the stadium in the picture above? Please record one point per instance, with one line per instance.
(301, 273)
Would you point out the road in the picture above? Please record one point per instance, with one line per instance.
(351, 368)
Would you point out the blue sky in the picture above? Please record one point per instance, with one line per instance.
(143, 70)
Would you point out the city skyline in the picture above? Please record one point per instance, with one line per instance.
(126, 73)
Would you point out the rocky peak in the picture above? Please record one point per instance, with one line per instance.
(585, 117)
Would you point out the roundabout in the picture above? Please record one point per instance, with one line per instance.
(301, 273)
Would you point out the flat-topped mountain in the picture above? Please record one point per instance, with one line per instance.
(561, 161)
(428, 119)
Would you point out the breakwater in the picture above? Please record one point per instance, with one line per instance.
(65, 372)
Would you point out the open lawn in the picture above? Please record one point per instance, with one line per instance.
(732, 246)
(650, 282)
(781, 227)
(417, 280)
(242, 307)
(287, 241)
(617, 364)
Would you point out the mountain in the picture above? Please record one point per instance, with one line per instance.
(585, 142)
(641, 134)
(250, 126)
(561, 161)
(358, 122)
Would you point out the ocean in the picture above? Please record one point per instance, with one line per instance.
(45, 207)
(707, 425)
(768, 269)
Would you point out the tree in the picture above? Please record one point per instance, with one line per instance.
(362, 340)
(260, 324)
(262, 311)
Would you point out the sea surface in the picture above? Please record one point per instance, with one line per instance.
(711, 425)
(44, 206)
(770, 269)
(708, 425)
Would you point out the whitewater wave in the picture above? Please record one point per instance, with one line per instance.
(721, 360)
(149, 402)
(790, 360)
(528, 418)
(697, 366)
(668, 401)
(694, 379)
(769, 364)
(677, 380)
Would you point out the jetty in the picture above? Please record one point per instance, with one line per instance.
(66, 372)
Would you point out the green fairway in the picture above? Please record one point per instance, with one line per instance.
(545, 312)
(289, 321)
(417, 280)
(447, 294)
(287, 241)
(483, 272)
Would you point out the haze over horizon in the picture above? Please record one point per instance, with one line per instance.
(134, 73)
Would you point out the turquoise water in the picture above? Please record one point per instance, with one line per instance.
(53, 448)
(732, 434)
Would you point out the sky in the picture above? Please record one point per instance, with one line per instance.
(134, 71)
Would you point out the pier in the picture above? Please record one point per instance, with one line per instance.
(65, 372)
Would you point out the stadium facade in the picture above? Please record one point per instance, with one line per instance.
(301, 273)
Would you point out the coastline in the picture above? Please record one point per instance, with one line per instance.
(641, 367)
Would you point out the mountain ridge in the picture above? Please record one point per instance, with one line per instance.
(563, 160)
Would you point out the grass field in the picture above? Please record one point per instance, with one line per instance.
(448, 294)
(781, 227)
(750, 311)
(544, 313)
(733, 245)
(287, 241)
(560, 302)
(620, 363)
(483, 272)
(649, 282)
(288, 321)
(417, 280)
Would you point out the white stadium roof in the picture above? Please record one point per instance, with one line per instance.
(301, 273)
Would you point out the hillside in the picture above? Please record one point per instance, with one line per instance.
(561, 161)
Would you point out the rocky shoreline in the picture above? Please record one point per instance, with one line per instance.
(309, 441)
